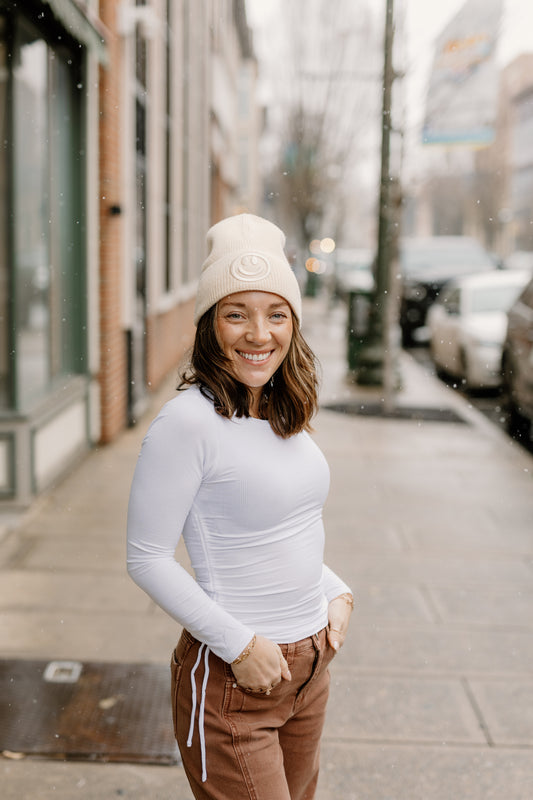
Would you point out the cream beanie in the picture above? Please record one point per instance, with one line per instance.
(246, 254)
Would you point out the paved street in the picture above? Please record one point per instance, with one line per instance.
(431, 522)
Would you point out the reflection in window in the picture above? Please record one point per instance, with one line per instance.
(32, 214)
(5, 332)
(168, 149)
(47, 265)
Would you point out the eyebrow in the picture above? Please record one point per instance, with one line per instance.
(241, 304)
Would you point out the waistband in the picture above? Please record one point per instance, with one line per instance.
(304, 645)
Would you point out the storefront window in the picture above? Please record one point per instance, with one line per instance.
(47, 264)
(5, 327)
(168, 149)
(32, 214)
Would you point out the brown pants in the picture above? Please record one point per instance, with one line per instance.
(257, 747)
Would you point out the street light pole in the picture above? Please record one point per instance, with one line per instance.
(374, 356)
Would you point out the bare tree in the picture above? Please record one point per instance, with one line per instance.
(328, 92)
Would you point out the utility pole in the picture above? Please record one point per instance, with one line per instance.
(375, 367)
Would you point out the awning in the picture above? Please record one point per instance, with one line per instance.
(80, 27)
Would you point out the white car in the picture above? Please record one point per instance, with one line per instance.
(468, 323)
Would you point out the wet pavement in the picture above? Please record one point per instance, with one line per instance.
(490, 402)
(431, 522)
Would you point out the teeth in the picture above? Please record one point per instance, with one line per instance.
(255, 356)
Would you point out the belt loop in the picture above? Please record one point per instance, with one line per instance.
(291, 649)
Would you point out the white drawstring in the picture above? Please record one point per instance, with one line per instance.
(201, 715)
(201, 712)
(193, 687)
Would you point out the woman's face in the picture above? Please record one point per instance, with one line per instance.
(254, 330)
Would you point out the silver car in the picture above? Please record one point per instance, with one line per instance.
(468, 322)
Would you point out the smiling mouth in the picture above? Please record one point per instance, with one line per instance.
(255, 357)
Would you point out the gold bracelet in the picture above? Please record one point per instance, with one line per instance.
(246, 652)
(348, 598)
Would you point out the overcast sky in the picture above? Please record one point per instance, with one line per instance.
(423, 21)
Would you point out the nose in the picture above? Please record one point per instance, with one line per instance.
(258, 330)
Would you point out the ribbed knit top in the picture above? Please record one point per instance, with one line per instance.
(249, 506)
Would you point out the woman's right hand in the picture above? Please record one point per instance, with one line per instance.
(263, 669)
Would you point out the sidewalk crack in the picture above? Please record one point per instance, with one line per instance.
(477, 711)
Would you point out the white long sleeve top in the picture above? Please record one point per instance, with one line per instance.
(249, 506)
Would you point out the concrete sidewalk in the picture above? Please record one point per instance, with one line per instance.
(432, 525)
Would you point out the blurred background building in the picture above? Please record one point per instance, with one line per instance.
(127, 128)
(484, 192)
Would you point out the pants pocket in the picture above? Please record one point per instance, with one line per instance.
(177, 659)
(329, 654)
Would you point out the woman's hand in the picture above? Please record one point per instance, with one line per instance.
(339, 612)
(263, 669)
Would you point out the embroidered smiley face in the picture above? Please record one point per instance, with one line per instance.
(250, 267)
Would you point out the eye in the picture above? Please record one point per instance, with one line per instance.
(279, 315)
(234, 315)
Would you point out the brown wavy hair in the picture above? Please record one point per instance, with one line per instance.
(288, 401)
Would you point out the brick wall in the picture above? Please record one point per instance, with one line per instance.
(169, 336)
(113, 354)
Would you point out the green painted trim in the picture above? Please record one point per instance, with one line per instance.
(80, 27)
(9, 490)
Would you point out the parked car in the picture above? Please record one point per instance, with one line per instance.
(468, 322)
(352, 270)
(426, 265)
(517, 366)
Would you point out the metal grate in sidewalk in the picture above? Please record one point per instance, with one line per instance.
(87, 711)
(412, 413)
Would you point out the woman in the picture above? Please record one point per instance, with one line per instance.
(229, 464)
